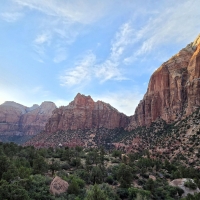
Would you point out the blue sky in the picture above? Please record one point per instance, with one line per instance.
(53, 49)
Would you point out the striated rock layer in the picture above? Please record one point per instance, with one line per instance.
(174, 89)
(16, 119)
(84, 113)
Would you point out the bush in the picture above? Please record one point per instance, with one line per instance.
(190, 184)
(65, 166)
(109, 180)
(134, 192)
(123, 193)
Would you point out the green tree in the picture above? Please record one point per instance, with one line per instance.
(11, 173)
(138, 193)
(39, 165)
(125, 175)
(97, 174)
(54, 166)
(73, 187)
(12, 191)
(4, 164)
(95, 193)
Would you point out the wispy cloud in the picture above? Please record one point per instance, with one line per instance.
(81, 73)
(111, 68)
(123, 38)
(42, 38)
(174, 24)
(11, 17)
(108, 71)
(75, 11)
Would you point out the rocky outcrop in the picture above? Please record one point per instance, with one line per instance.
(16, 119)
(174, 89)
(84, 113)
(58, 186)
(181, 184)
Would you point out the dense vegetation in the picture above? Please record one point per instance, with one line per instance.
(92, 174)
(176, 141)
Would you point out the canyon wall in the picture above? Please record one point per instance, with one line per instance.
(174, 89)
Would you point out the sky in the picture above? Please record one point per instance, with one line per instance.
(50, 50)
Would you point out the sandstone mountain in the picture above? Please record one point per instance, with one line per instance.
(19, 120)
(84, 113)
(83, 122)
(174, 89)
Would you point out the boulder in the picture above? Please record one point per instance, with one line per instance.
(180, 183)
(58, 186)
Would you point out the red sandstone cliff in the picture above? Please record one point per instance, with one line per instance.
(174, 89)
(84, 113)
(16, 119)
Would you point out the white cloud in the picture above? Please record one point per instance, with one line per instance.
(61, 102)
(107, 71)
(81, 73)
(110, 69)
(75, 11)
(122, 39)
(175, 23)
(123, 101)
(40, 44)
(11, 17)
(42, 38)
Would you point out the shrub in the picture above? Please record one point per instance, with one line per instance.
(190, 184)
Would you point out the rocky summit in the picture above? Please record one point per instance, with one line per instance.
(19, 120)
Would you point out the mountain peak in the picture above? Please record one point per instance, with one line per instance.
(196, 41)
(79, 95)
(81, 99)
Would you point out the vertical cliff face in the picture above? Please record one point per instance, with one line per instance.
(174, 89)
(84, 113)
(16, 119)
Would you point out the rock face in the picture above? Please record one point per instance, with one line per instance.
(84, 113)
(16, 119)
(174, 89)
(58, 186)
(180, 183)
